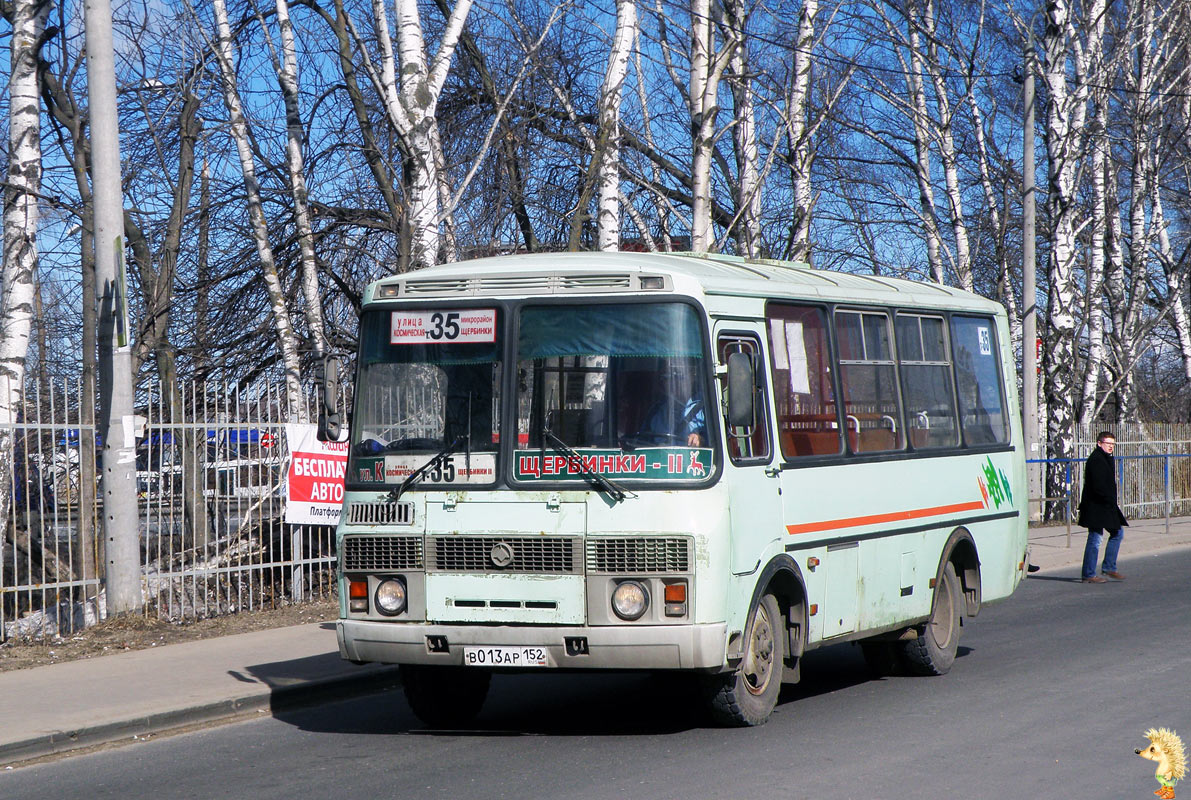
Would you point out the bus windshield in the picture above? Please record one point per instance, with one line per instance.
(623, 383)
(429, 381)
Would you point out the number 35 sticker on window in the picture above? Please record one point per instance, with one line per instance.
(460, 326)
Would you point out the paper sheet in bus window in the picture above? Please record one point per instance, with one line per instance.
(800, 382)
(789, 353)
(982, 334)
(777, 335)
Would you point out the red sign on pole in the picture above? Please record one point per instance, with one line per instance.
(314, 481)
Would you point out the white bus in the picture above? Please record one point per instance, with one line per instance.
(592, 461)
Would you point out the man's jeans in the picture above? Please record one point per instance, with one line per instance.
(1091, 551)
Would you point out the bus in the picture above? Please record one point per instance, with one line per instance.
(684, 462)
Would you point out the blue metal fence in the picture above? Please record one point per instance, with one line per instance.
(1149, 486)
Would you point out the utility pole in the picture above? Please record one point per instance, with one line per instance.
(121, 528)
(1029, 336)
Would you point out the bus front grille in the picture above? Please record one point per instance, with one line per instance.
(384, 513)
(381, 553)
(638, 554)
(554, 555)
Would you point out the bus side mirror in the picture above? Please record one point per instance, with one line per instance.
(742, 381)
(329, 425)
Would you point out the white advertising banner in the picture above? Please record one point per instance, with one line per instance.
(314, 481)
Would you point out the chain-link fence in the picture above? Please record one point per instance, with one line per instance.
(211, 463)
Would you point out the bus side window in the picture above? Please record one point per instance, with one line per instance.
(747, 444)
(868, 381)
(808, 420)
(978, 380)
(923, 357)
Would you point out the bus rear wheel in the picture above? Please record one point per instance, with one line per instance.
(445, 697)
(933, 651)
(747, 696)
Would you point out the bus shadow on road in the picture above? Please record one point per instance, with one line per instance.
(837, 667)
(583, 704)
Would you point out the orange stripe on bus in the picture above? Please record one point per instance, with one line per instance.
(876, 519)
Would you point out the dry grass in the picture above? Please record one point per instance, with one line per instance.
(134, 632)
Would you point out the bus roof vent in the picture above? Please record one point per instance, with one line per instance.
(594, 283)
(513, 284)
(533, 283)
(437, 286)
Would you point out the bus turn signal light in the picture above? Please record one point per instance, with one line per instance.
(675, 596)
(357, 592)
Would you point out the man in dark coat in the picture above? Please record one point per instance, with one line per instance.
(1099, 512)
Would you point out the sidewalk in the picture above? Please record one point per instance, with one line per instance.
(1049, 545)
(77, 704)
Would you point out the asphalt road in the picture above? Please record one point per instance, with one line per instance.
(1049, 698)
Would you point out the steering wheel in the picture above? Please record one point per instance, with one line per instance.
(414, 443)
(653, 439)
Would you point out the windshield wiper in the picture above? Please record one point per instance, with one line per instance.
(598, 481)
(417, 474)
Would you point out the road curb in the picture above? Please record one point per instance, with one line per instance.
(275, 700)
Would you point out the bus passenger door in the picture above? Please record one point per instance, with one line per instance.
(754, 501)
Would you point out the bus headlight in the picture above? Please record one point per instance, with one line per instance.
(390, 596)
(630, 599)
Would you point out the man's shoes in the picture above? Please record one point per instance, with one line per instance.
(1095, 579)
(1116, 576)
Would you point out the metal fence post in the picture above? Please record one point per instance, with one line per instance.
(1067, 483)
(298, 575)
(1166, 488)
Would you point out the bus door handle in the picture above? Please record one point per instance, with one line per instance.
(773, 472)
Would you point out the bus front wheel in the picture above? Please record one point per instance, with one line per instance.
(933, 651)
(747, 696)
(445, 697)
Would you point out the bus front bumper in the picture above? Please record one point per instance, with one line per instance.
(612, 647)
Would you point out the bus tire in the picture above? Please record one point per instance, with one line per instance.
(747, 696)
(444, 697)
(933, 651)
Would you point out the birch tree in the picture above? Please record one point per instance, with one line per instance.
(608, 146)
(707, 65)
(225, 52)
(747, 227)
(287, 78)
(1100, 147)
(1065, 75)
(799, 131)
(21, 213)
(1156, 72)
(411, 104)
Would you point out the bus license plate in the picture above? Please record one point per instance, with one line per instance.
(505, 657)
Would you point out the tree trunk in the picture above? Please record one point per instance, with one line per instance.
(706, 66)
(799, 133)
(21, 214)
(287, 78)
(747, 229)
(286, 337)
(607, 157)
